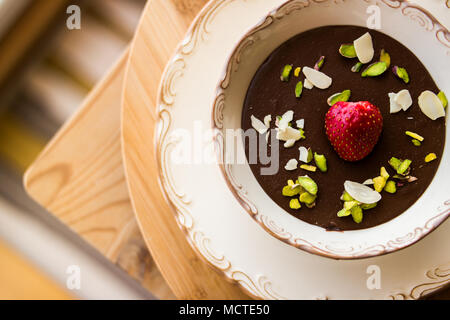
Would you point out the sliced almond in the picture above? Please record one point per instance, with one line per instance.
(258, 125)
(290, 143)
(317, 78)
(289, 134)
(267, 120)
(364, 48)
(291, 165)
(303, 154)
(300, 123)
(361, 193)
(404, 99)
(285, 119)
(395, 107)
(308, 84)
(430, 105)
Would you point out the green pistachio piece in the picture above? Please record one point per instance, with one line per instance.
(357, 67)
(302, 134)
(309, 185)
(340, 96)
(390, 187)
(347, 50)
(404, 166)
(401, 73)
(384, 173)
(357, 214)
(321, 162)
(348, 205)
(319, 63)
(308, 168)
(430, 157)
(295, 204)
(344, 213)
(368, 206)
(307, 198)
(395, 163)
(297, 71)
(414, 136)
(346, 197)
(286, 73)
(374, 70)
(288, 191)
(379, 183)
(310, 156)
(415, 142)
(298, 89)
(443, 98)
(385, 57)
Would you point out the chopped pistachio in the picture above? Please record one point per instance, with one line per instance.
(357, 67)
(395, 163)
(379, 183)
(340, 96)
(401, 73)
(297, 72)
(430, 157)
(357, 214)
(414, 136)
(385, 57)
(319, 63)
(302, 134)
(384, 173)
(308, 184)
(443, 98)
(365, 206)
(288, 191)
(346, 197)
(286, 73)
(390, 187)
(404, 166)
(295, 204)
(321, 162)
(344, 213)
(308, 168)
(416, 142)
(310, 156)
(374, 70)
(347, 50)
(307, 198)
(348, 205)
(298, 89)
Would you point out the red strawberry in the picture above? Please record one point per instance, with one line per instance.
(353, 128)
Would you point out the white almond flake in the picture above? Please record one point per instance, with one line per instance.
(364, 48)
(395, 107)
(285, 119)
(317, 78)
(368, 182)
(268, 120)
(290, 143)
(361, 193)
(289, 134)
(404, 99)
(303, 154)
(291, 165)
(308, 84)
(258, 125)
(430, 105)
(300, 123)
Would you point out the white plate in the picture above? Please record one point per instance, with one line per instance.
(217, 225)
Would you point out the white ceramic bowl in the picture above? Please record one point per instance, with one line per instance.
(409, 24)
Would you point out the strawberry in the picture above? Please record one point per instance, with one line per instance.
(353, 128)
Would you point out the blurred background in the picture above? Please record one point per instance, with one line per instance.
(46, 71)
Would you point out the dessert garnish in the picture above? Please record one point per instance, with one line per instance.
(364, 48)
(308, 168)
(297, 72)
(357, 67)
(415, 136)
(258, 125)
(286, 73)
(340, 96)
(306, 155)
(362, 193)
(443, 98)
(298, 89)
(321, 162)
(401, 73)
(300, 123)
(291, 165)
(319, 63)
(290, 143)
(390, 187)
(317, 78)
(431, 105)
(353, 128)
(347, 50)
(290, 134)
(401, 166)
(375, 69)
(403, 99)
(415, 142)
(267, 120)
(305, 188)
(308, 84)
(385, 57)
(430, 157)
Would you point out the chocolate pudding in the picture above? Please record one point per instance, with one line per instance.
(267, 95)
